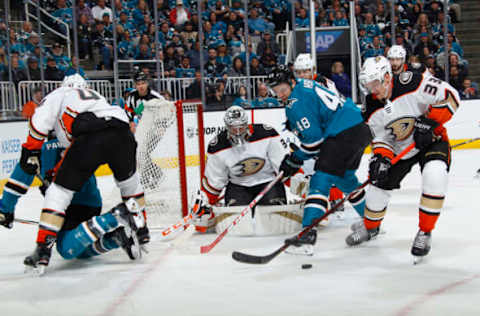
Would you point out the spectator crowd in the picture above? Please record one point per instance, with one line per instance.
(418, 28)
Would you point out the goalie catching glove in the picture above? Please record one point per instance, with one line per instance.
(299, 184)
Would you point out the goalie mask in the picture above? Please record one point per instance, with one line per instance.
(236, 122)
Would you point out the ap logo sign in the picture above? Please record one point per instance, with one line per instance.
(324, 40)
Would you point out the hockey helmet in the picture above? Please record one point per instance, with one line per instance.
(397, 51)
(140, 76)
(236, 122)
(303, 62)
(74, 81)
(280, 74)
(373, 72)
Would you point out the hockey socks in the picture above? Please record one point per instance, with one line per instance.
(72, 243)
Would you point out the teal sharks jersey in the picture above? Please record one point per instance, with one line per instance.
(315, 113)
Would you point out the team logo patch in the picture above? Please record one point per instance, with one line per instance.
(402, 128)
(405, 77)
(290, 102)
(267, 127)
(248, 167)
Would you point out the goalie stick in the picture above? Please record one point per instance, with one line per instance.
(207, 248)
(253, 259)
(196, 211)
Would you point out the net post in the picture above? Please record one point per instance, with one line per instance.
(181, 158)
(201, 140)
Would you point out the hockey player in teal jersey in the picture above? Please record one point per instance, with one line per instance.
(330, 129)
(85, 232)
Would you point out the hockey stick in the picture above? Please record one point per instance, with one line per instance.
(466, 142)
(207, 248)
(25, 221)
(184, 222)
(247, 258)
(196, 211)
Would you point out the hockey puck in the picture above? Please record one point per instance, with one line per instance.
(306, 266)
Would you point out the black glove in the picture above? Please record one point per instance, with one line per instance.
(47, 180)
(30, 160)
(290, 165)
(6, 219)
(423, 134)
(378, 169)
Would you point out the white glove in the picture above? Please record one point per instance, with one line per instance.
(299, 184)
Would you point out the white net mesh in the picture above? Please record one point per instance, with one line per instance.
(158, 160)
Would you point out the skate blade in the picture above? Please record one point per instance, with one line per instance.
(304, 250)
(144, 249)
(417, 260)
(35, 271)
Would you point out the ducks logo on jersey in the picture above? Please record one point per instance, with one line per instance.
(248, 166)
(402, 128)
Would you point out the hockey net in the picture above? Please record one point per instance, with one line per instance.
(170, 159)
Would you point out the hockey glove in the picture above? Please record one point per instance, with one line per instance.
(423, 134)
(47, 180)
(290, 165)
(30, 160)
(378, 169)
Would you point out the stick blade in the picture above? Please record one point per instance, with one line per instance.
(205, 249)
(246, 258)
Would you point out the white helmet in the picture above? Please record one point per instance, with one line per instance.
(397, 51)
(303, 62)
(74, 81)
(374, 68)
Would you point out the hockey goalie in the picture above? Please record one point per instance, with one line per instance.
(242, 160)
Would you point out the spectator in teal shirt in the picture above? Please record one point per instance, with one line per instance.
(263, 100)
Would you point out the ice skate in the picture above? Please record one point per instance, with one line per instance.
(130, 220)
(127, 239)
(303, 245)
(37, 262)
(340, 211)
(421, 246)
(361, 235)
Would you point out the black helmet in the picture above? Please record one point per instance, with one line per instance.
(279, 75)
(140, 76)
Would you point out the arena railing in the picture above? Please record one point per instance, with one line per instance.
(8, 97)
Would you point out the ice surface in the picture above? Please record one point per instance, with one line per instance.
(377, 278)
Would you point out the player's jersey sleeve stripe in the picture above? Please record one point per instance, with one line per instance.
(311, 148)
(16, 187)
(383, 149)
(209, 188)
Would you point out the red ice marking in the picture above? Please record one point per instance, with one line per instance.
(424, 298)
(115, 304)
